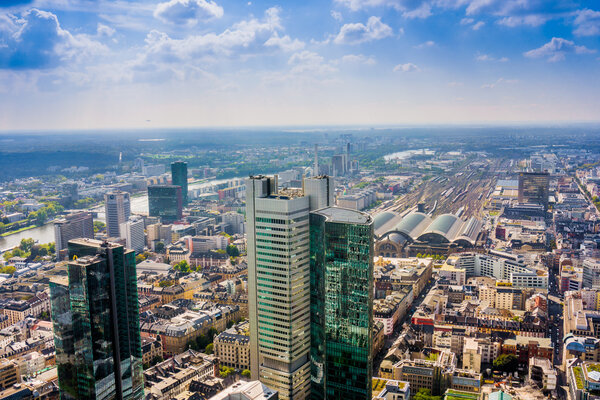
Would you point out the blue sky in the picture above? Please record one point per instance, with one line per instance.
(88, 64)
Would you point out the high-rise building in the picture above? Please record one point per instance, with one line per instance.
(279, 283)
(96, 323)
(73, 226)
(341, 303)
(179, 177)
(165, 201)
(591, 273)
(133, 232)
(534, 188)
(339, 164)
(117, 207)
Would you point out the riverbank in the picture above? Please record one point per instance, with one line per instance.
(18, 230)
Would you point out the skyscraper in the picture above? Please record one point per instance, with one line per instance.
(117, 207)
(165, 201)
(133, 232)
(96, 325)
(341, 304)
(73, 226)
(279, 282)
(179, 177)
(534, 188)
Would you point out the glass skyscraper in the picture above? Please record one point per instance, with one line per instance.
(179, 177)
(341, 304)
(165, 201)
(534, 188)
(279, 281)
(95, 316)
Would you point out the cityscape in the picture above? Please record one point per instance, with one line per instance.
(355, 200)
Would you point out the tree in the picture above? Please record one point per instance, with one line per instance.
(232, 250)
(26, 245)
(183, 267)
(139, 258)
(45, 316)
(9, 269)
(224, 371)
(246, 373)
(506, 363)
(99, 226)
(159, 247)
(425, 394)
(209, 348)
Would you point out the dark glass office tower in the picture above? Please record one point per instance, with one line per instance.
(534, 188)
(179, 177)
(96, 323)
(341, 304)
(165, 201)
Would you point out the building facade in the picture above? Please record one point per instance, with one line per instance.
(117, 207)
(341, 302)
(179, 177)
(166, 202)
(534, 188)
(73, 226)
(96, 323)
(133, 232)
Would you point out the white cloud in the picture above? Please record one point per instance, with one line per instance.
(422, 12)
(587, 23)
(455, 84)
(533, 20)
(429, 43)
(409, 8)
(487, 57)
(408, 67)
(467, 21)
(357, 59)
(187, 12)
(478, 25)
(356, 33)
(309, 62)
(498, 82)
(285, 43)
(556, 50)
(104, 30)
(337, 15)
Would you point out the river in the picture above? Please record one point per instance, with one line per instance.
(45, 234)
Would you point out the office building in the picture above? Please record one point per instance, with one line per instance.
(73, 226)
(166, 202)
(591, 273)
(96, 323)
(179, 177)
(534, 188)
(117, 207)
(279, 284)
(341, 304)
(132, 231)
(338, 164)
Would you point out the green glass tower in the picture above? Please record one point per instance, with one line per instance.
(165, 201)
(341, 304)
(95, 315)
(179, 177)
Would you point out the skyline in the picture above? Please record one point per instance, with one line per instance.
(67, 64)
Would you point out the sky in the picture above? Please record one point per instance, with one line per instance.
(104, 64)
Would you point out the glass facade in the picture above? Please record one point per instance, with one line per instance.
(534, 188)
(165, 201)
(179, 177)
(103, 358)
(341, 302)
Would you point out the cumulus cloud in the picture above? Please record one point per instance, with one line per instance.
(357, 59)
(487, 57)
(422, 12)
(478, 25)
(285, 43)
(187, 12)
(408, 67)
(37, 41)
(556, 50)
(309, 62)
(337, 15)
(519, 20)
(587, 23)
(104, 30)
(359, 33)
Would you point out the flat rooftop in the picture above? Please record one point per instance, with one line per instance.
(337, 214)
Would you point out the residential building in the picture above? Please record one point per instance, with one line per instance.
(233, 347)
(542, 373)
(72, 226)
(117, 207)
(9, 374)
(132, 231)
(151, 350)
(179, 177)
(96, 323)
(166, 202)
(394, 390)
(341, 303)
